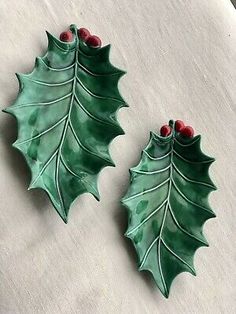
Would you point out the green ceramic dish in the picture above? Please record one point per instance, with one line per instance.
(66, 112)
(167, 203)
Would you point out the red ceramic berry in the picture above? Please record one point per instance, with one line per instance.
(93, 41)
(66, 36)
(179, 125)
(165, 130)
(187, 131)
(83, 33)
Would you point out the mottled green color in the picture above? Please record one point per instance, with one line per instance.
(167, 202)
(66, 112)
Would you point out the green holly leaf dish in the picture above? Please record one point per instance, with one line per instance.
(167, 203)
(66, 112)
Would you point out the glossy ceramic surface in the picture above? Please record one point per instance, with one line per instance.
(66, 112)
(167, 203)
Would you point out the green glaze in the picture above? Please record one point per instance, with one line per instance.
(66, 112)
(167, 203)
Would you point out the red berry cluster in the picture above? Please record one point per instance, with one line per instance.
(186, 131)
(91, 40)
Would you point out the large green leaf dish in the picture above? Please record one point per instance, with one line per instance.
(66, 112)
(167, 203)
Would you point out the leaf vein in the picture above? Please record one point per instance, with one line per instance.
(192, 161)
(43, 103)
(58, 185)
(188, 200)
(44, 132)
(160, 266)
(178, 257)
(156, 158)
(150, 172)
(58, 69)
(190, 180)
(88, 91)
(44, 167)
(91, 115)
(85, 148)
(49, 84)
(187, 144)
(147, 252)
(147, 191)
(182, 229)
(97, 74)
(69, 169)
(146, 219)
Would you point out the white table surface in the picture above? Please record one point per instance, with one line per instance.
(180, 56)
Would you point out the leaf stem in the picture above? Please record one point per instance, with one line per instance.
(74, 30)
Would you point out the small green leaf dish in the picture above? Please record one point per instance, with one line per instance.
(66, 113)
(167, 204)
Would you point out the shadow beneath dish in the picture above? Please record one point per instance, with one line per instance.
(17, 163)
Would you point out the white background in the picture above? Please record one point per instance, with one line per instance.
(180, 56)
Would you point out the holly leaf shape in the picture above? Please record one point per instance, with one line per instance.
(66, 112)
(167, 203)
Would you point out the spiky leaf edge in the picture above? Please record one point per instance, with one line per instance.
(154, 136)
(20, 89)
